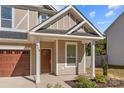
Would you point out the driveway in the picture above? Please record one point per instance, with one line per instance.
(29, 81)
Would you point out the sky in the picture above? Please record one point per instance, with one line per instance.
(101, 16)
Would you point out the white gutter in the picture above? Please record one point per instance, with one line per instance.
(64, 36)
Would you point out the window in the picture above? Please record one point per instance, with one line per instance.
(43, 17)
(71, 54)
(6, 17)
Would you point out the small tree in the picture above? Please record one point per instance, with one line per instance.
(105, 67)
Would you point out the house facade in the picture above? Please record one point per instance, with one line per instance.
(115, 42)
(39, 39)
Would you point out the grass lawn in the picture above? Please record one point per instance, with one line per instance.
(113, 70)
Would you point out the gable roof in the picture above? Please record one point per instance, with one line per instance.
(122, 14)
(51, 7)
(73, 9)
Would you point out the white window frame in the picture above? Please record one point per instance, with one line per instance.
(12, 19)
(71, 43)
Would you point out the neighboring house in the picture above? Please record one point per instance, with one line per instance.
(39, 39)
(115, 42)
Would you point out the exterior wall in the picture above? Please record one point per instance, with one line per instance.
(80, 30)
(62, 69)
(63, 23)
(25, 19)
(115, 42)
(33, 19)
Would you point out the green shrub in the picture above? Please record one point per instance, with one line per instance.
(100, 78)
(82, 82)
(54, 86)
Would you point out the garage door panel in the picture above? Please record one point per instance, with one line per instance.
(14, 63)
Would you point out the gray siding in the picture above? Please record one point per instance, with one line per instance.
(115, 42)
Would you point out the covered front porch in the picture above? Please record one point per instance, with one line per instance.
(59, 52)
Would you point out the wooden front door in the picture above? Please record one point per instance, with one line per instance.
(14, 63)
(45, 61)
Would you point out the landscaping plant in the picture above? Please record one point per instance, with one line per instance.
(54, 86)
(105, 67)
(100, 78)
(82, 82)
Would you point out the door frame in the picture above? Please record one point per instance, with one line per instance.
(14, 47)
(50, 59)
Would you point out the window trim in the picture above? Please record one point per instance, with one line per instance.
(8, 19)
(71, 43)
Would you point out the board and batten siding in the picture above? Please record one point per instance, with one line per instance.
(25, 19)
(115, 42)
(63, 23)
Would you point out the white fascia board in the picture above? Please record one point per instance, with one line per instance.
(50, 19)
(65, 36)
(52, 7)
(12, 40)
(75, 28)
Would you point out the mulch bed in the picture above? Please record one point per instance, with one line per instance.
(111, 83)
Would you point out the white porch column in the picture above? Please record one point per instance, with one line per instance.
(38, 67)
(93, 57)
(57, 57)
(84, 59)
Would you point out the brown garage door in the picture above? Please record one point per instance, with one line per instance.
(14, 63)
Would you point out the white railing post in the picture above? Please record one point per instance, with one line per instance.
(93, 57)
(84, 59)
(57, 57)
(38, 66)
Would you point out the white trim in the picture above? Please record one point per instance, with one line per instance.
(14, 47)
(63, 24)
(71, 43)
(20, 22)
(0, 16)
(13, 29)
(51, 57)
(84, 59)
(38, 61)
(57, 72)
(18, 40)
(76, 27)
(69, 20)
(93, 58)
(37, 17)
(28, 20)
(65, 36)
(52, 7)
(13, 17)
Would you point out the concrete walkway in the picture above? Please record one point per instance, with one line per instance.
(29, 81)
